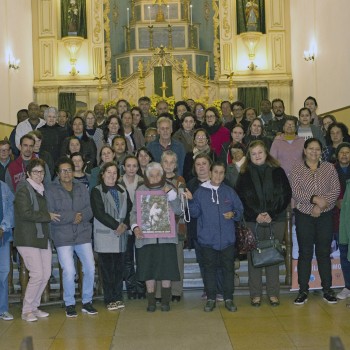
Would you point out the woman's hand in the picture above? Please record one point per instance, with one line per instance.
(78, 218)
(263, 218)
(138, 233)
(55, 217)
(121, 229)
(316, 211)
(229, 215)
(320, 202)
(187, 194)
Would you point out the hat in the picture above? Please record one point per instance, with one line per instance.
(343, 144)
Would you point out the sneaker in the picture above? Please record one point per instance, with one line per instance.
(89, 309)
(330, 298)
(301, 298)
(112, 306)
(210, 305)
(345, 293)
(6, 316)
(70, 311)
(40, 314)
(219, 297)
(230, 306)
(120, 304)
(29, 317)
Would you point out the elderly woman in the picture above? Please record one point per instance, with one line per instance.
(326, 121)
(201, 144)
(53, 134)
(111, 205)
(157, 259)
(31, 237)
(213, 125)
(265, 192)
(316, 188)
(216, 207)
(336, 134)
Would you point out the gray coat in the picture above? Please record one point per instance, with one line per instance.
(59, 201)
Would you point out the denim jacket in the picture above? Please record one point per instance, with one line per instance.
(7, 215)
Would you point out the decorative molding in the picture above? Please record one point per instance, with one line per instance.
(226, 28)
(216, 43)
(278, 52)
(107, 48)
(277, 14)
(47, 59)
(227, 55)
(97, 27)
(46, 18)
(206, 11)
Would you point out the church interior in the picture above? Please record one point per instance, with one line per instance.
(205, 50)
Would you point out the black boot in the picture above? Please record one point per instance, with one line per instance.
(151, 302)
(166, 295)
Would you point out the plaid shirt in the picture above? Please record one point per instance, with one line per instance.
(306, 183)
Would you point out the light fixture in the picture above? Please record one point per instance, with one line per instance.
(309, 55)
(14, 63)
(73, 45)
(251, 41)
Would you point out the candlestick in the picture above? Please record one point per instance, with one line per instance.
(191, 14)
(168, 13)
(207, 69)
(149, 14)
(127, 16)
(119, 72)
(163, 74)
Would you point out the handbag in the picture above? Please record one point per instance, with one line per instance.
(268, 252)
(245, 238)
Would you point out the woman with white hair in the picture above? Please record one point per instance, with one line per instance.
(157, 260)
(53, 134)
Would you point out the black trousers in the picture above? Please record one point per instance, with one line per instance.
(112, 276)
(212, 259)
(314, 231)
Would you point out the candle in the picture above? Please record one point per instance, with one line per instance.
(191, 14)
(119, 72)
(168, 13)
(149, 14)
(207, 69)
(127, 16)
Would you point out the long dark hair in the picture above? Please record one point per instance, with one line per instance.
(85, 137)
(106, 130)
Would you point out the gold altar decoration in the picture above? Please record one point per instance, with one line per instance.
(73, 45)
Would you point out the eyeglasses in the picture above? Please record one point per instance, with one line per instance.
(237, 109)
(66, 171)
(199, 110)
(38, 172)
(200, 137)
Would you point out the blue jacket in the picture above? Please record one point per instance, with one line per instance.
(209, 206)
(7, 222)
(156, 149)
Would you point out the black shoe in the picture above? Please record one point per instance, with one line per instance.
(141, 295)
(70, 311)
(301, 298)
(89, 309)
(330, 298)
(230, 306)
(158, 300)
(210, 305)
(176, 298)
(165, 307)
(132, 295)
(151, 308)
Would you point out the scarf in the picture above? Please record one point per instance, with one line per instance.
(262, 179)
(37, 187)
(160, 184)
(205, 150)
(34, 200)
(114, 192)
(212, 129)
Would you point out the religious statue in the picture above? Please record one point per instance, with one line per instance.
(73, 18)
(252, 15)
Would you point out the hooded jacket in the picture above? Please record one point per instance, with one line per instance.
(209, 204)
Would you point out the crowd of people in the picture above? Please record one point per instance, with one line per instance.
(82, 184)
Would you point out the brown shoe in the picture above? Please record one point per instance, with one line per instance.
(274, 301)
(255, 301)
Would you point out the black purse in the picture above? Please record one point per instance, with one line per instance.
(267, 252)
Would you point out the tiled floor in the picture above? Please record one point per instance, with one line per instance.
(186, 326)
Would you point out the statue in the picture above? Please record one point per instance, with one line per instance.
(252, 15)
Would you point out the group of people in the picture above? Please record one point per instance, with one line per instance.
(74, 185)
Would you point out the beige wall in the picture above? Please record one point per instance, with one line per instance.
(16, 87)
(327, 78)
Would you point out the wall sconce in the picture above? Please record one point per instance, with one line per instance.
(309, 56)
(73, 45)
(14, 63)
(251, 41)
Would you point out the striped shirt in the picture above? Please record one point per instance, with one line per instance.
(306, 183)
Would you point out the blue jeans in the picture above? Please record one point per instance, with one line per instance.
(345, 264)
(86, 257)
(4, 274)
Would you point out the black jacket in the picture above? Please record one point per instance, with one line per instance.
(282, 195)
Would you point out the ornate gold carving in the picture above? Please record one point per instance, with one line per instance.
(108, 51)
(115, 14)
(97, 27)
(225, 22)
(216, 44)
(206, 11)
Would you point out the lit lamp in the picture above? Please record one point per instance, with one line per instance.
(251, 41)
(309, 56)
(14, 63)
(73, 45)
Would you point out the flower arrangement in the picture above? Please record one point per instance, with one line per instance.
(73, 11)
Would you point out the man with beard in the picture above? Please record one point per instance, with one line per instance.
(99, 111)
(32, 123)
